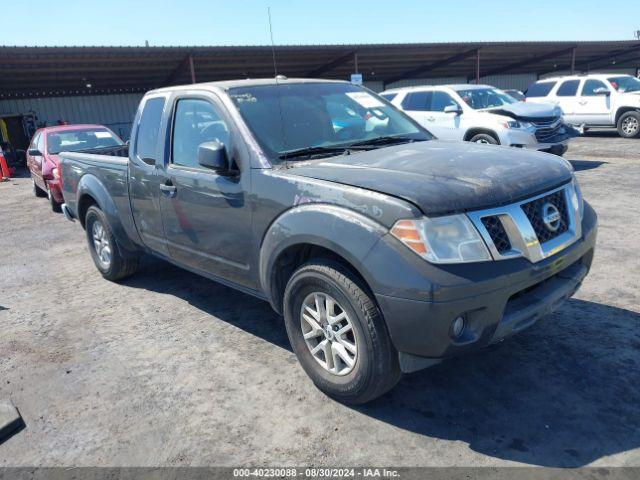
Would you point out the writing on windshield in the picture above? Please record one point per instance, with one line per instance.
(318, 117)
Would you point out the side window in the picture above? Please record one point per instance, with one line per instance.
(590, 87)
(34, 140)
(540, 89)
(147, 137)
(417, 101)
(40, 143)
(441, 100)
(388, 96)
(569, 88)
(196, 121)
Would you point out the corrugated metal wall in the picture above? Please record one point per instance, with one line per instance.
(117, 111)
(517, 81)
(114, 111)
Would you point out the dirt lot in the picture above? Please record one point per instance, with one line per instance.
(171, 369)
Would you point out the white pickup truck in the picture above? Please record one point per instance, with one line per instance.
(597, 100)
(484, 114)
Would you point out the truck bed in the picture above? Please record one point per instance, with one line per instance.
(106, 176)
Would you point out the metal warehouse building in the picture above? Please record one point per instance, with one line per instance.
(44, 85)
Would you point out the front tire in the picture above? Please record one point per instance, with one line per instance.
(104, 247)
(484, 138)
(629, 125)
(338, 333)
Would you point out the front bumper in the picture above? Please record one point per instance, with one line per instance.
(495, 298)
(526, 138)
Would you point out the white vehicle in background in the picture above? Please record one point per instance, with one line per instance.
(596, 100)
(484, 114)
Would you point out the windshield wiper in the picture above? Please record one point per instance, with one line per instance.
(387, 140)
(309, 151)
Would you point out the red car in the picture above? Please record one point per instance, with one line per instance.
(46, 145)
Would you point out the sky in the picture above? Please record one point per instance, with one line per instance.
(239, 22)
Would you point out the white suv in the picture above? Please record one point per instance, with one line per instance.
(602, 100)
(484, 114)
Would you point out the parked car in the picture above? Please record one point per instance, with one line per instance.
(386, 251)
(483, 114)
(517, 94)
(43, 155)
(596, 100)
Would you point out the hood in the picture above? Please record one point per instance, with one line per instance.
(529, 111)
(632, 96)
(444, 177)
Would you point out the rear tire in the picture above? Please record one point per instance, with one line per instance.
(374, 367)
(484, 138)
(104, 247)
(629, 125)
(55, 206)
(37, 191)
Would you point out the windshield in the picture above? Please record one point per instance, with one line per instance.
(74, 140)
(479, 98)
(625, 84)
(289, 117)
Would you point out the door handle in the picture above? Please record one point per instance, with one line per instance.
(169, 189)
(582, 102)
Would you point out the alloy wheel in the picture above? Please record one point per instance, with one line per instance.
(101, 244)
(630, 126)
(329, 333)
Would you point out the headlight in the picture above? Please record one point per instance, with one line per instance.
(450, 239)
(516, 124)
(577, 200)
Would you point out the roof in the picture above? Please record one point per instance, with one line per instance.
(590, 75)
(47, 71)
(256, 82)
(68, 128)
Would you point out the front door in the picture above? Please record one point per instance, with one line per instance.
(206, 213)
(444, 125)
(594, 108)
(35, 162)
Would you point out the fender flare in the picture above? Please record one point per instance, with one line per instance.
(90, 185)
(343, 231)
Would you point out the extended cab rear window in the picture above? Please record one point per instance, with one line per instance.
(540, 89)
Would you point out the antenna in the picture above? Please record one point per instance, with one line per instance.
(277, 78)
(273, 48)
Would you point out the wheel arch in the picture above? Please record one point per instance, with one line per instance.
(92, 192)
(477, 130)
(317, 231)
(622, 110)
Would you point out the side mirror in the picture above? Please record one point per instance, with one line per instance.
(453, 109)
(34, 152)
(213, 155)
(602, 91)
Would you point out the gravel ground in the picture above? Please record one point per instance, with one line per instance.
(172, 369)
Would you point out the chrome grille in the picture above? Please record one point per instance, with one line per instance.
(497, 233)
(520, 229)
(546, 130)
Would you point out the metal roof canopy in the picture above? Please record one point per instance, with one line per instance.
(55, 71)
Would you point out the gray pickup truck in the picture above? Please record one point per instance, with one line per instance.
(385, 250)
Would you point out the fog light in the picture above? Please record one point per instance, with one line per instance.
(457, 326)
